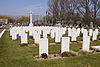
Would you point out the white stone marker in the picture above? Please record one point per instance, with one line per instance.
(44, 34)
(10, 31)
(58, 37)
(74, 34)
(86, 43)
(52, 34)
(69, 31)
(14, 35)
(94, 36)
(43, 46)
(82, 30)
(24, 39)
(78, 32)
(85, 33)
(30, 32)
(96, 31)
(74, 38)
(90, 32)
(37, 38)
(65, 45)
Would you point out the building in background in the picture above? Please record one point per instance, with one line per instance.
(3, 22)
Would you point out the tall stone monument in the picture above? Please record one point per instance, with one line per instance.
(30, 19)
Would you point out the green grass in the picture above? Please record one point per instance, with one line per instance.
(12, 55)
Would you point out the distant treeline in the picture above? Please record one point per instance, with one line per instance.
(13, 20)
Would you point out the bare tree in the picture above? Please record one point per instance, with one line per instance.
(61, 9)
(88, 9)
(68, 10)
(95, 9)
(53, 8)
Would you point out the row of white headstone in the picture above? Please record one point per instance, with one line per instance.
(36, 32)
(43, 45)
(65, 45)
(55, 32)
(74, 33)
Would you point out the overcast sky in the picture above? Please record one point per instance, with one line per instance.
(23, 7)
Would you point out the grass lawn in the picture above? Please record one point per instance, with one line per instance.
(12, 55)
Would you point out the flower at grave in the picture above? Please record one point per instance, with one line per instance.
(44, 55)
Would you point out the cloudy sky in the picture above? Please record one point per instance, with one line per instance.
(23, 7)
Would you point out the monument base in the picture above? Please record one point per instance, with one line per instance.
(30, 25)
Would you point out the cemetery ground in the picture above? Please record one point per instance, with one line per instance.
(12, 55)
(1, 30)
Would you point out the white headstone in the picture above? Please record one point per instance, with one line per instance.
(74, 38)
(86, 43)
(85, 33)
(78, 32)
(69, 31)
(37, 38)
(43, 46)
(65, 45)
(82, 30)
(96, 31)
(52, 34)
(44, 33)
(24, 39)
(14, 35)
(94, 35)
(90, 32)
(58, 37)
(31, 32)
(74, 34)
